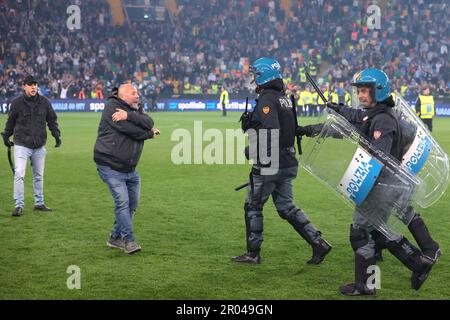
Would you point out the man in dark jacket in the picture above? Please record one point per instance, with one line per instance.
(272, 133)
(122, 131)
(28, 115)
(380, 126)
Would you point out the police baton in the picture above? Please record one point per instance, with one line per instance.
(299, 137)
(313, 83)
(11, 163)
(242, 186)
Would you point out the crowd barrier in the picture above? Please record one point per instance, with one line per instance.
(182, 104)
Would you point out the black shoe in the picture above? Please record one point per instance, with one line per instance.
(352, 289)
(17, 212)
(418, 278)
(247, 258)
(320, 250)
(43, 207)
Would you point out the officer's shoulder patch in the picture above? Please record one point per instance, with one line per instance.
(377, 134)
(266, 109)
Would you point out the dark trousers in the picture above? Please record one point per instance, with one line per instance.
(429, 123)
(279, 186)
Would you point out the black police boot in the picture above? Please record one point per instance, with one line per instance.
(380, 244)
(249, 257)
(420, 232)
(413, 259)
(419, 277)
(297, 218)
(253, 235)
(320, 249)
(359, 288)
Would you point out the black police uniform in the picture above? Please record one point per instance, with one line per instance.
(273, 114)
(382, 128)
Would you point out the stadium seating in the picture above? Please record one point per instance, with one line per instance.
(209, 44)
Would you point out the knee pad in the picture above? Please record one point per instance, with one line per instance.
(284, 214)
(255, 221)
(358, 238)
(294, 214)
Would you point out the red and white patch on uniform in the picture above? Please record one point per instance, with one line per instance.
(266, 109)
(377, 134)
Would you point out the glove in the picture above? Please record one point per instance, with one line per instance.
(309, 131)
(58, 142)
(301, 131)
(335, 107)
(6, 141)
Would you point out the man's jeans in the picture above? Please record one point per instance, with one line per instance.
(37, 157)
(125, 190)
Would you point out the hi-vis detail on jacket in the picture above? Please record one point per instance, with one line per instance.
(360, 176)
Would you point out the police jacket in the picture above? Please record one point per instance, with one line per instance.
(273, 111)
(379, 125)
(119, 144)
(27, 119)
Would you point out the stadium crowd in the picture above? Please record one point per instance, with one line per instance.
(207, 46)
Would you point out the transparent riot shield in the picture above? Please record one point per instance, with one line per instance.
(372, 182)
(422, 155)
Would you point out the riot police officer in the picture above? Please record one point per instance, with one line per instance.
(271, 129)
(379, 124)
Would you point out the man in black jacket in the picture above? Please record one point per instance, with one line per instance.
(122, 131)
(28, 115)
(271, 135)
(380, 126)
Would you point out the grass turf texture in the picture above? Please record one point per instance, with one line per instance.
(189, 223)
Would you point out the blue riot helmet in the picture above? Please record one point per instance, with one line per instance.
(266, 70)
(377, 80)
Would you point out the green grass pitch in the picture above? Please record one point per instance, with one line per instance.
(189, 223)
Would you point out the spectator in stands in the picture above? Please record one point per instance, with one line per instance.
(208, 43)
